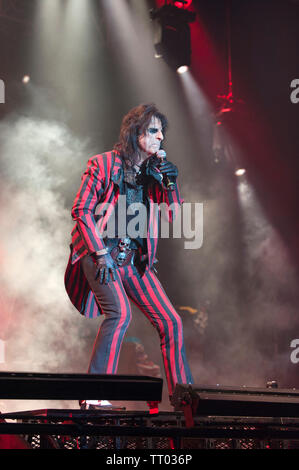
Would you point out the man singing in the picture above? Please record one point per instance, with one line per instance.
(109, 268)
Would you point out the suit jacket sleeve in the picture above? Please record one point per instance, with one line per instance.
(83, 210)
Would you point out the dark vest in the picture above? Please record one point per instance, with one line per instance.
(133, 188)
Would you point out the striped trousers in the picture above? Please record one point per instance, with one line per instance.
(147, 293)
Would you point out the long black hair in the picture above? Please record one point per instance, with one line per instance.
(134, 124)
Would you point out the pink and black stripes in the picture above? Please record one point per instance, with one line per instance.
(149, 296)
(116, 309)
(95, 202)
(83, 210)
(100, 189)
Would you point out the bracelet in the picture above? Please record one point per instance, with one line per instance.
(101, 252)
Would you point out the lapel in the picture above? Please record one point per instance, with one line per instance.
(117, 173)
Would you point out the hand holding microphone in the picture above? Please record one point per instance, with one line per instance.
(168, 170)
(162, 170)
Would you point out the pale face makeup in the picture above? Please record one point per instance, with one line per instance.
(150, 142)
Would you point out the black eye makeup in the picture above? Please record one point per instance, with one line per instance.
(153, 130)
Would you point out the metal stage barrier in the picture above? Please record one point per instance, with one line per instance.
(90, 429)
(204, 417)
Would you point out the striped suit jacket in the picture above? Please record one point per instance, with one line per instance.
(100, 188)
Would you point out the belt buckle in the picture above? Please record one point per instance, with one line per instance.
(124, 244)
(121, 258)
(124, 250)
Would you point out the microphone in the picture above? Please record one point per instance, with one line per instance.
(167, 180)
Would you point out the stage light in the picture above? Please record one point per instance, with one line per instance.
(183, 69)
(26, 79)
(173, 41)
(240, 171)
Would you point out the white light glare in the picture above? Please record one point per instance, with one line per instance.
(240, 171)
(26, 79)
(183, 69)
